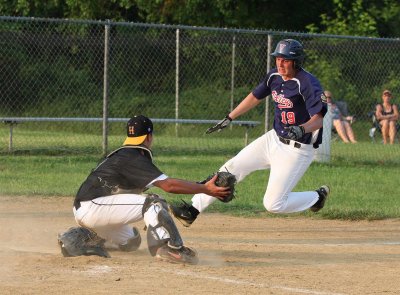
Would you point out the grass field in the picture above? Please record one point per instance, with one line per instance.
(363, 177)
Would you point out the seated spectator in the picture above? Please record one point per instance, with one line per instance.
(387, 115)
(340, 119)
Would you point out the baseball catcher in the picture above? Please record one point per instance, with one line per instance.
(112, 198)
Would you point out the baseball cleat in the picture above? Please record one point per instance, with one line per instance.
(323, 193)
(185, 213)
(133, 243)
(183, 255)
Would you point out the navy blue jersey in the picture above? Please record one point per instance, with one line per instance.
(296, 101)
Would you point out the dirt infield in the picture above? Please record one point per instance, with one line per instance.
(237, 256)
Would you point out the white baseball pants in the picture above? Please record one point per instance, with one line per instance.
(110, 216)
(287, 165)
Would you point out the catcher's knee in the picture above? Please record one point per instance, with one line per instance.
(78, 241)
(152, 199)
(161, 228)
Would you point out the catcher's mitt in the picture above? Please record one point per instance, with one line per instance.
(224, 179)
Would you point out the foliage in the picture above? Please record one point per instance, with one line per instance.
(90, 9)
(360, 17)
(373, 18)
(219, 13)
(271, 14)
(386, 13)
(353, 20)
(38, 8)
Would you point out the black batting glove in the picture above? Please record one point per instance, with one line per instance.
(295, 132)
(220, 125)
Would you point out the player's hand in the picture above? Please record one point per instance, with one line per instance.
(217, 191)
(295, 132)
(221, 125)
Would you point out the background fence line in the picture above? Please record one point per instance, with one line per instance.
(78, 68)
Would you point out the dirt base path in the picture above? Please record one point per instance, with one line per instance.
(237, 256)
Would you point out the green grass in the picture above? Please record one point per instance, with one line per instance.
(50, 141)
(360, 190)
(363, 177)
(366, 153)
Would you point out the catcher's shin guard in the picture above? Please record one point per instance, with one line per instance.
(161, 229)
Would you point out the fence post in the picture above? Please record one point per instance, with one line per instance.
(10, 142)
(177, 82)
(233, 73)
(323, 153)
(105, 86)
(268, 97)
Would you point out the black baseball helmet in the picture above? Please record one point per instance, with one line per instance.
(290, 49)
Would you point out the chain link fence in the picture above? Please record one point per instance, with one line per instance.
(69, 86)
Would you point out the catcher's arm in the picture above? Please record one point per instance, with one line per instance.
(223, 179)
(212, 184)
(247, 104)
(180, 186)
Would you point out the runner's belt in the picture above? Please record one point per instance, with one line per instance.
(287, 142)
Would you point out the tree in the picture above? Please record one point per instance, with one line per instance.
(37, 8)
(387, 16)
(348, 19)
(117, 10)
(344, 17)
(373, 18)
(289, 15)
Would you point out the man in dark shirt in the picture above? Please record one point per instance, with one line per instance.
(111, 198)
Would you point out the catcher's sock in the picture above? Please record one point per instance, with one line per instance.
(323, 193)
(185, 213)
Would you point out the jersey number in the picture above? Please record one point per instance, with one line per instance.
(288, 118)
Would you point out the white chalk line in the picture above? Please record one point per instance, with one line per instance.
(248, 283)
(99, 270)
(391, 243)
(373, 244)
(340, 244)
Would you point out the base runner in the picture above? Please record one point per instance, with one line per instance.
(288, 149)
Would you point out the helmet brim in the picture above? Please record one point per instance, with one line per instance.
(284, 56)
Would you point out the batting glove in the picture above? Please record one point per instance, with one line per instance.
(221, 125)
(295, 132)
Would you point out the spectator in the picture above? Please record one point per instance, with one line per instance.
(387, 115)
(340, 119)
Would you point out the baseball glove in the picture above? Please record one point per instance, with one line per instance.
(220, 125)
(224, 179)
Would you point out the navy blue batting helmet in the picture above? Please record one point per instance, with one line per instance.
(290, 49)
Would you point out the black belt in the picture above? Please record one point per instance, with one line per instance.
(287, 141)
